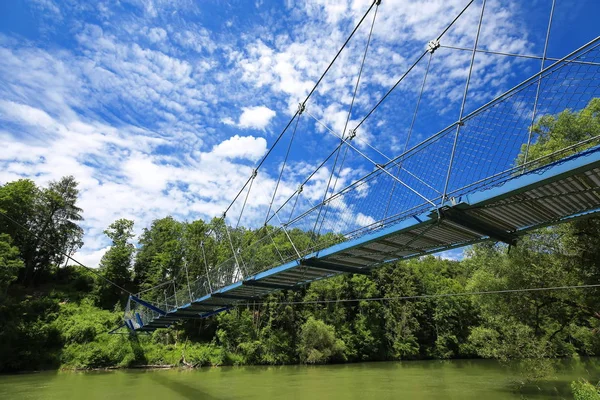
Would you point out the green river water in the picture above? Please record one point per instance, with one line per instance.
(462, 379)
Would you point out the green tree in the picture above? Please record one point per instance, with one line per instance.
(116, 263)
(161, 254)
(553, 133)
(10, 263)
(50, 214)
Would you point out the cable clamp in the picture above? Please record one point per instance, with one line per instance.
(254, 173)
(432, 46)
(380, 166)
(300, 188)
(301, 108)
(351, 134)
(377, 2)
(224, 214)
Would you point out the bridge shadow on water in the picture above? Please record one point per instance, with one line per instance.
(182, 389)
(138, 352)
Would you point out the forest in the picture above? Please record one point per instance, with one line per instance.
(55, 314)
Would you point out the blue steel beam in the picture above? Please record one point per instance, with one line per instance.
(147, 305)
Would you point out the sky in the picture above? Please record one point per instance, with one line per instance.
(165, 107)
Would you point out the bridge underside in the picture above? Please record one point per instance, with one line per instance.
(550, 195)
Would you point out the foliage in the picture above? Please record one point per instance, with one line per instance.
(318, 343)
(583, 390)
(10, 263)
(554, 133)
(115, 265)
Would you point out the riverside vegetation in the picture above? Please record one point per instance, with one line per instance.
(53, 314)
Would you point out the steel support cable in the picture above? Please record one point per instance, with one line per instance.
(325, 203)
(274, 244)
(305, 181)
(288, 236)
(337, 154)
(462, 106)
(62, 253)
(246, 199)
(307, 98)
(360, 71)
(187, 276)
(382, 168)
(287, 154)
(529, 56)
(262, 161)
(206, 266)
(385, 96)
(235, 255)
(375, 2)
(153, 287)
(388, 158)
(439, 295)
(539, 84)
(410, 129)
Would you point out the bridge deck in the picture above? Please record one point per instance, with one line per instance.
(552, 194)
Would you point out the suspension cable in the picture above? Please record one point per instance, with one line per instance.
(385, 96)
(360, 71)
(410, 130)
(305, 181)
(287, 154)
(246, 198)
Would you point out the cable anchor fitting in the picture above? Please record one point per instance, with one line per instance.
(301, 108)
(351, 134)
(432, 46)
(254, 173)
(377, 2)
(300, 188)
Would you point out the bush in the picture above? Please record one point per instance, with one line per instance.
(583, 390)
(318, 343)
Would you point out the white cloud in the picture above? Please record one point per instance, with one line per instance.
(257, 117)
(157, 34)
(247, 147)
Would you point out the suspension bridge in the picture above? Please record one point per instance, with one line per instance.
(475, 180)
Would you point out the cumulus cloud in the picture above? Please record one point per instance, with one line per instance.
(247, 147)
(257, 117)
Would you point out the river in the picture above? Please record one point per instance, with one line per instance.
(460, 379)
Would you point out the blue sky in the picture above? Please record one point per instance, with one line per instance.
(163, 107)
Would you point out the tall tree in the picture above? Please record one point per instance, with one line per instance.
(51, 216)
(160, 257)
(116, 262)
